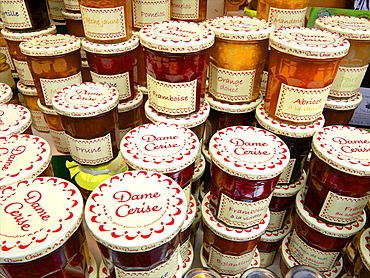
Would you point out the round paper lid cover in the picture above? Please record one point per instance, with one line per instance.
(160, 147)
(190, 214)
(14, 119)
(6, 93)
(365, 248)
(131, 104)
(199, 170)
(26, 90)
(176, 36)
(275, 236)
(233, 108)
(52, 211)
(343, 104)
(287, 190)
(136, 211)
(344, 148)
(249, 152)
(73, 16)
(21, 36)
(85, 99)
(110, 48)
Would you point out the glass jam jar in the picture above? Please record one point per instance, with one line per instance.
(199, 170)
(362, 259)
(186, 229)
(353, 67)
(302, 66)
(229, 250)
(108, 21)
(114, 64)
(340, 157)
(147, 12)
(89, 116)
(41, 230)
(246, 165)
(165, 148)
(177, 59)
(137, 227)
(74, 23)
(129, 114)
(238, 57)
(14, 119)
(54, 61)
(193, 10)
(6, 93)
(141, 68)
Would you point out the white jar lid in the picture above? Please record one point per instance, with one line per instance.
(309, 43)
(249, 152)
(240, 28)
(26, 90)
(291, 130)
(110, 215)
(160, 147)
(110, 48)
(350, 27)
(72, 16)
(176, 36)
(85, 99)
(344, 103)
(6, 93)
(344, 148)
(14, 119)
(364, 248)
(40, 233)
(190, 214)
(21, 36)
(46, 110)
(288, 190)
(275, 236)
(199, 169)
(233, 108)
(131, 104)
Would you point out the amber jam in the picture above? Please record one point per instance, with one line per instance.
(302, 65)
(74, 23)
(150, 11)
(177, 59)
(238, 57)
(229, 250)
(129, 114)
(362, 261)
(194, 10)
(341, 157)
(137, 227)
(14, 119)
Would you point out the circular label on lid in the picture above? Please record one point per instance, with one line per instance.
(14, 119)
(6, 93)
(129, 216)
(37, 217)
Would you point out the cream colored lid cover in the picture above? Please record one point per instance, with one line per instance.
(26, 90)
(14, 119)
(364, 248)
(6, 93)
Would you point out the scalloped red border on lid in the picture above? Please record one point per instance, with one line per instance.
(350, 27)
(240, 28)
(71, 16)
(343, 104)
(6, 93)
(47, 221)
(85, 99)
(108, 48)
(14, 119)
(249, 152)
(18, 36)
(344, 148)
(176, 36)
(160, 147)
(132, 104)
(190, 214)
(26, 90)
(274, 236)
(189, 260)
(364, 248)
(46, 110)
(309, 43)
(136, 217)
(50, 45)
(206, 153)
(200, 169)
(287, 190)
(290, 130)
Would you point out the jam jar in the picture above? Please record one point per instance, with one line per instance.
(54, 61)
(339, 111)
(71, 5)
(4, 49)
(41, 230)
(106, 21)
(340, 157)
(193, 10)
(165, 148)
(297, 137)
(114, 64)
(362, 259)
(238, 57)
(186, 229)
(14, 119)
(258, 272)
(199, 170)
(177, 59)
(229, 250)
(6, 93)
(353, 67)
(13, 39)
(74, 23)
(137, 227)
(246, 165)
(85, 70)
(302, 66)
(141, 68)
(89, 116)
(150, 11)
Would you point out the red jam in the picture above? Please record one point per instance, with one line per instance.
(74, 23)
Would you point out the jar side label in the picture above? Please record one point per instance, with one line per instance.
(60, 140)
(276, 220)
(263, 86)
(288, 171)
(306, 255)
(267, 259)
(8, 57)
(287, 17)
(172, 98)
(299, 104)
(342, 209)
(347, 81)
(71, 5)
(230, 85)
(119, 81)
(56, 7)
(24, 72)
(90, 151)
(146, 12)
(185, 9)
(38, 121)
(15, 15)
(242, 214)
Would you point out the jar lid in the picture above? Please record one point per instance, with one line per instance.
(199, 169)
(176, 36)
(288, 190)
(249, 152)
(234, 108)
(291, 130)
(343, 104)
(198, 212)
(190, 214)
(364, 248)
(53, 207)
(21, 36)
(189, 260)
(332, 230)
(344, 148)
(14, 119)
(206, 153)
(160, 147)
(227, 232)
(50, 45)
(46, 110)
(114, 48)
(188, 120)
(85, 99)
(309, 43)
(128, 216)
(26, 90)
(132, 104)
(240, 28)
(350, 27)
(6, 93)
(72, 16)
(275, 236)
